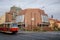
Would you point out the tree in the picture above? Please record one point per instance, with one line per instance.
(55, 26)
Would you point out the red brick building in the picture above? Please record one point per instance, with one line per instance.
(7, 17)
(34, 17)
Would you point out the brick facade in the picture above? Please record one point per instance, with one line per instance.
(32, 17)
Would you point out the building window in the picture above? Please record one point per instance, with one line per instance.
(44, 18)
(20, 18)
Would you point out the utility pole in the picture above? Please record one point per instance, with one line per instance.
(31, 21)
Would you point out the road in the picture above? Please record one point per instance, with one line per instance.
(31, 36)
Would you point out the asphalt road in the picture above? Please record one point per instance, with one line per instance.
(31, 36)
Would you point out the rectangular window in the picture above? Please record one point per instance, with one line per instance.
(14, 25)
(44, 18)
(20, 18)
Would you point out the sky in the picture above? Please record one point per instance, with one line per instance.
(51, 7)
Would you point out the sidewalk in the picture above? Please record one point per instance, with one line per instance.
(25, 31)
(53, 32)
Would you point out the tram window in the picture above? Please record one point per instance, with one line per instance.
(4, 25)
(14, 25)
(0, 26)
(8, 25)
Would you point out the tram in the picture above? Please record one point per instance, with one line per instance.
(9, 28)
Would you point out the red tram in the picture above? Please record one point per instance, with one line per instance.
(9, 28)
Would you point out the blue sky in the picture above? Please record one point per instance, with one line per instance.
(51, 7)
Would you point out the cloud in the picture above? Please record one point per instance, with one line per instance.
(51, 7)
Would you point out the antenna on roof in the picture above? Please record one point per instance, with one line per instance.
(51, 16)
